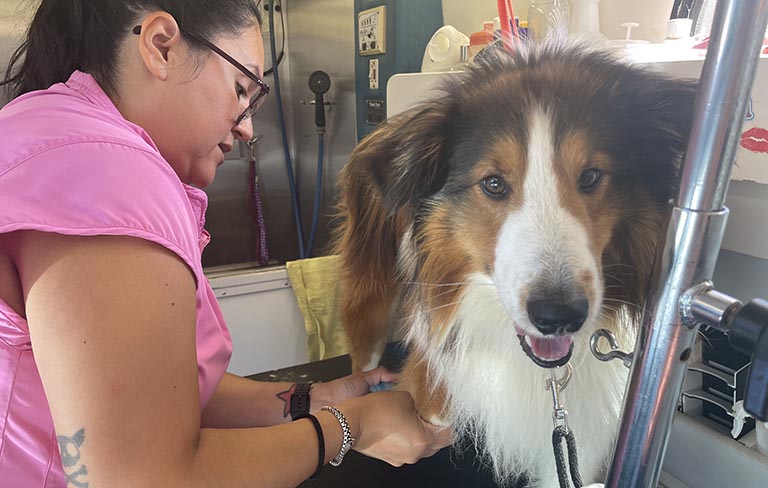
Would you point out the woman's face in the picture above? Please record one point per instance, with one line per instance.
(203, 109)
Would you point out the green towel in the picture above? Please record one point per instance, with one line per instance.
(315, 283)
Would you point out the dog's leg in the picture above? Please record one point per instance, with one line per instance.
(367, 244)
(365, 313)
(430, 398)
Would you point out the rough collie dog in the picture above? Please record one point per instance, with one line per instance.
(499, 226)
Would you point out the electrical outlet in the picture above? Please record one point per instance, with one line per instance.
(372, 28)
(373, 74)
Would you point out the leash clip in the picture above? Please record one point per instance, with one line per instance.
(556, 386)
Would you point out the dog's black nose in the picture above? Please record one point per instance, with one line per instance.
(557, 318)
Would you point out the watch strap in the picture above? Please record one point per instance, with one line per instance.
(300, 400)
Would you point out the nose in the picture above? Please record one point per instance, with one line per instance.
(555, 316)
(244, 131)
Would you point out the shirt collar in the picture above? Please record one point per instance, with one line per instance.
(87, 85)
(90, 89)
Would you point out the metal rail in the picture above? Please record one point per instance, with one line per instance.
(688, 250)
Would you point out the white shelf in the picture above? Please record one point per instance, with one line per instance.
(701, 457)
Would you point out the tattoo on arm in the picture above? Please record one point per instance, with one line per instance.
(285, 396)
(70, 459)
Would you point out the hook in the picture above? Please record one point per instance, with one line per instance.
(614, 353)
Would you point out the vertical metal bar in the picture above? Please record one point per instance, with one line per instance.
(726, 81)
(688, 250)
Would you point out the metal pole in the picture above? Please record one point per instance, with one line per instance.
(688, 250)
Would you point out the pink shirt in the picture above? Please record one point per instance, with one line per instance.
(71, 164)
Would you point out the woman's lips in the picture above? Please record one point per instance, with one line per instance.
(755, 140)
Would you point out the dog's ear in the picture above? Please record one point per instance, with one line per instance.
(656, 125)
(404, 156)
(671, 105)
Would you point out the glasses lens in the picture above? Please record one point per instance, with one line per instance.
(255, 104)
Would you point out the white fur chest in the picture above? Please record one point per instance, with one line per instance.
(497, 396)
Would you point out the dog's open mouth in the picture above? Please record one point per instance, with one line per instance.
(546, 352)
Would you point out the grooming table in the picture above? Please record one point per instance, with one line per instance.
(447, 469)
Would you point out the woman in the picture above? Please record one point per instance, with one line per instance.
(109, 331)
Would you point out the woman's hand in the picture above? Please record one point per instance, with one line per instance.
(333, 392)
(387, 427)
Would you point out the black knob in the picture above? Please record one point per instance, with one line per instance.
(749, 334)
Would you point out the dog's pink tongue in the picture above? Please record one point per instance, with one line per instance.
(550, 348)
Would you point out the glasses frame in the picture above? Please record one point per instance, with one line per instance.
(257, 99)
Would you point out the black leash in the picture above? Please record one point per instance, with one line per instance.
(560, 419)
(562, 432)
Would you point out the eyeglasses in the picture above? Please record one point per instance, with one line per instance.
(257, 100)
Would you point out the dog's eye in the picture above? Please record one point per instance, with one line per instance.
(494, 186)
(589, 180)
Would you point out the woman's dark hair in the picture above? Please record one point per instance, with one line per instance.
(85, 35)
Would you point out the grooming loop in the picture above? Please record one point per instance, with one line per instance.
(254, 197)
(614, 353)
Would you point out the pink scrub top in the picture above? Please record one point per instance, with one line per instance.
(71, 164)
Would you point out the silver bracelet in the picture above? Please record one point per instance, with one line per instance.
(348, 441)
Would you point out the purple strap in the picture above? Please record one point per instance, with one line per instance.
(257, 213)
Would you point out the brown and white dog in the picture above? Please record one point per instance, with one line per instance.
(499, 226)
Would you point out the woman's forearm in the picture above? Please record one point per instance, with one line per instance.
(241, 403)
(280, 456)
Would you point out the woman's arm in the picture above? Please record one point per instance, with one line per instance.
(240, 403)
(112, 321)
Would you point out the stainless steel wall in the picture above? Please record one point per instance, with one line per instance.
(319, 35)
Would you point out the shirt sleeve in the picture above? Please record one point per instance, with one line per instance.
(99, 187)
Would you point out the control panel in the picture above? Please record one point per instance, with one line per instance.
(372, 28)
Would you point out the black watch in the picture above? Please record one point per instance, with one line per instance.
(300, 400)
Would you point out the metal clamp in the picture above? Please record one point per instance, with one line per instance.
(702, 304)
(557, 385)
(304, 101)
(614, 353)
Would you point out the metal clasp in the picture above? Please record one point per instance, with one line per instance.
(614, 353)
(557, 385)
(253, 144)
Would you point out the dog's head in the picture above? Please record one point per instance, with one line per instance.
(543, 173)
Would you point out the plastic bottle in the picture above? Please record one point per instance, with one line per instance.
(585, 20)
(547, 18)
(478, 41)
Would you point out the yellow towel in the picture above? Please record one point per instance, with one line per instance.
(315, 283)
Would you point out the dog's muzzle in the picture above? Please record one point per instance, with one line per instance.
(556, 319)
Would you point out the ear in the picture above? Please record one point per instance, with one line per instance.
(655, 133)
(655, 119)
(671, 105)
(159, 38)
(404, 157)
